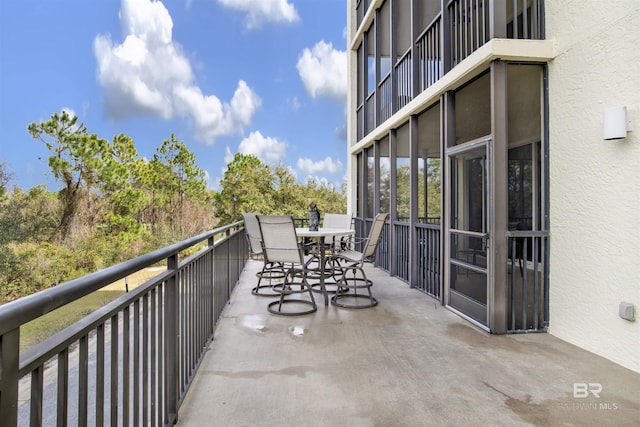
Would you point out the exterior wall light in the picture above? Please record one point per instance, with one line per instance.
(616, 123)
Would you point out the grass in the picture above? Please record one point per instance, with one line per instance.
(38, 330)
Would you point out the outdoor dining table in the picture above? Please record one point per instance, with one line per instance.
(320, 237)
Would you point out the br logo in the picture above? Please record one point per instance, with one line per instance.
(583, 390)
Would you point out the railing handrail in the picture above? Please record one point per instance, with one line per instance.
(23, 310)
(429, 26)
(157, 336)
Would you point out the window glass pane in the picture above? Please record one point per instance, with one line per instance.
(371, 76)
(429, 188)
(403, 174)
(385, 67)
(371, 62)
(433, 194)
(524, 115)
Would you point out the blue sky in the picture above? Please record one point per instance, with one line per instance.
(262, 77)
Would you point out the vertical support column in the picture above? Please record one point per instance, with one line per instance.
(445, 38)
(376, 186)
(171, 338)
(413, 210)
(545, 185)
(9, 356)
(376, 177)
(393, 200)
(497, 292)
(447, 138)
(364, 184)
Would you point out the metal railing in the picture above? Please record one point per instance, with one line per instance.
(428, 259)
(132, 361)
(469, 27)
(527, 20)
(430, 54)
(370, 113)
(386, 104)
(528, 287)
(404, 81)
(402, 237)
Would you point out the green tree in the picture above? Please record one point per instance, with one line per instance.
(403, 202)
(179, 178)
(434, 193)
(29, 260)
(121, 195)
(75, 161)
(251, 186)
(247, 186)
(32, 215)
(327, 198)
(5, 178)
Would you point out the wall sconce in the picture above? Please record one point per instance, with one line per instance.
(616, 123)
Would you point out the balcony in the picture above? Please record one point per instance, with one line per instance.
(440, 39)
(408, 361)
(405, 362)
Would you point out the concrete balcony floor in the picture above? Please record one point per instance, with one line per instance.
(407, 362)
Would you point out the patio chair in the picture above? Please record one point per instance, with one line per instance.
(352, 261)
(270, 270)
(280, 244)
(331, 220)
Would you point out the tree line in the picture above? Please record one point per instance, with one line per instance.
(113, 204)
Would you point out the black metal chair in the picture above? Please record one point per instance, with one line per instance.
(270, 270)
(280, 244)
(352, 261)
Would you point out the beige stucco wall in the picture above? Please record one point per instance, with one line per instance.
(594, 184)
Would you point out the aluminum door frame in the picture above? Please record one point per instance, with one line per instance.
(485, 142)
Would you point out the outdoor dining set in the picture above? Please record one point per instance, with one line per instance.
(301, 261)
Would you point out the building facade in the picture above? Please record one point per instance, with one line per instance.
(478, 125)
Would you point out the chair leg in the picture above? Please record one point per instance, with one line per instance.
(269, 272)
(286, 289)
(332, 272)
(347, 295)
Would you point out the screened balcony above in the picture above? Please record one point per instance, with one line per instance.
(403, 48)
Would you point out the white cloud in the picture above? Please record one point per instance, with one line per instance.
(149, 74)
(268, 150)
(323, 71)
(211, 183)
(328, 165)
(261, 11)
(228, 157)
